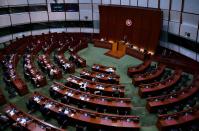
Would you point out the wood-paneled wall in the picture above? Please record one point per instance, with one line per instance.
(144, 31)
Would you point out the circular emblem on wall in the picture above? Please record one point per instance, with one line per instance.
(129, 22)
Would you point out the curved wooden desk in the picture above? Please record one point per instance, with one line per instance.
(111, 104)
(77, 60)
(148, 76)
(154, 88)
(101, 77)
(139, 68)
(135, 53)
(66, 65)
(31, 71)
(27, 121)
(45, 63)
(155, 103)
(85, 117)
(92, 87)
(102, 44)
(179, 119)
(79, 44)
(129, 49)
(12, 77)
(104, 69)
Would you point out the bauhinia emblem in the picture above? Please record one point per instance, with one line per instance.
(128, 22)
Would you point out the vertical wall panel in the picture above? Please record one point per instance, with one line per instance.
(191, 6)
(71, 1)
(164, 4)
(190, 19)
(95, 7)
(56, 16)
(153, 3)
(175, 16)
(17, 2)
(84, 1)
(125, 2)
(72, 16)
(165, 14)
(37, 1)
(20, 18)
(85, 11)
(176, 5)
(97, 1)
(38, 16)
(73, 29)
(57, 1)
(142, 3)
(86, 15)
(174, 27)
(3, 2)
(106, 1)
(134, 2)
(5, 20)
(188, 29)
(95, 11)
(87, 30)
(189, 26)
(115, 2)
(95, 16)
(165, 25)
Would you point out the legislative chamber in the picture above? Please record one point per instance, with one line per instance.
(99, 65)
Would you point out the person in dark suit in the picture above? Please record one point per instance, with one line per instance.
(63, 117)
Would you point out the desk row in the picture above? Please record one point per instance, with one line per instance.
(91, 101)
(23, 121)
(95, 87)
(71, 115)
(101, 77)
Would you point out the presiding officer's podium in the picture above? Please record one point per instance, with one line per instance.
(118, 49)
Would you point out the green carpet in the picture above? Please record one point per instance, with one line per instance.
(92, 55)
